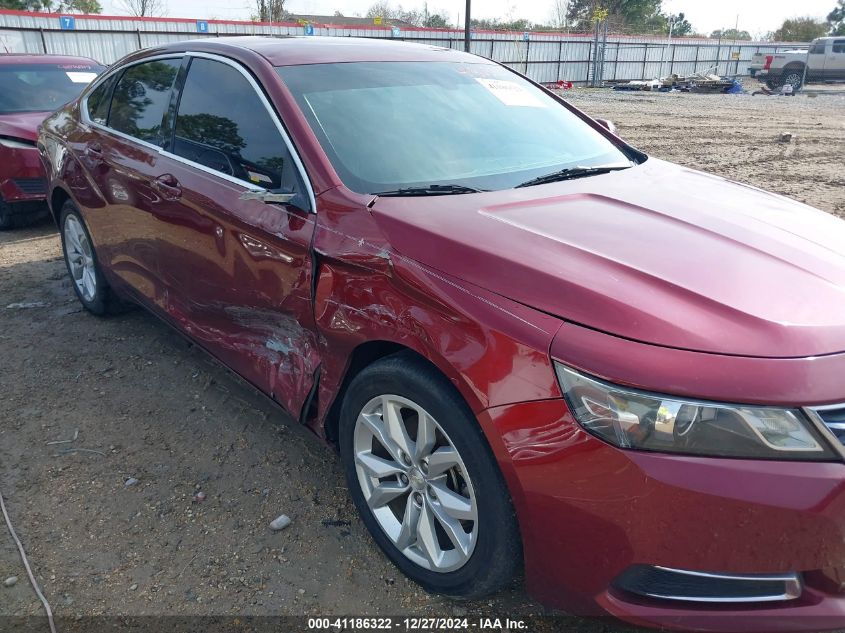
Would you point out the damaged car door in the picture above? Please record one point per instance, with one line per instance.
(235, 244)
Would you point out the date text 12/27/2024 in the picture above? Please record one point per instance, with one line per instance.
(417, 624)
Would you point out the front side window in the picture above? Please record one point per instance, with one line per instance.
(839, 46)
(141, 97)
(222, 124)
(43, 87)
(392, 125)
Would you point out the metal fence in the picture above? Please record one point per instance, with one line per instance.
(542, 56)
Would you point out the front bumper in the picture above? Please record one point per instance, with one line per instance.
(589, 511)
(21, 175)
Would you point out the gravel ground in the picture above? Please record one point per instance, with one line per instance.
(150, 406)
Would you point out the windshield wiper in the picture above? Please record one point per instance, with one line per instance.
(571, 172)
(430, 190)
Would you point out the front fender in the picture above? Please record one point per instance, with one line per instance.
(493, 350)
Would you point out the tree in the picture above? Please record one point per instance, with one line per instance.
(630, 15)
(496, 24)
(79, 6)
(64, 6)
(24, 5)
(143, 8)
(800, 30)
(380, 9)
(730, 34)
(436, 21)
(836, 19)
(270, 11)
(681, 26)
(560, 10)
(385, 10)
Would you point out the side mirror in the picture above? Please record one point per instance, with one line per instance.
(609, 125)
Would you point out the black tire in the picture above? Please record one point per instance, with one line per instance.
(104, 300)
(497, 555)
(793, 76)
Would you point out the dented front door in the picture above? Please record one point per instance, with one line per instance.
(237, 272)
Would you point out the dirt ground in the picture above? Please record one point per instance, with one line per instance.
(148, 405)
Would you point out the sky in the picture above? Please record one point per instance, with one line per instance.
(755, 16)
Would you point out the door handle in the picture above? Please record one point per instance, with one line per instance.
(94, 150)
(168, 186)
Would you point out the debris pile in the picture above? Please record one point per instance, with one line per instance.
(704, 82)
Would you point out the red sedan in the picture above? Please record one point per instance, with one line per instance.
(31, 86)
(533, 344)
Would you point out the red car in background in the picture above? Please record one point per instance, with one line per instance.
(32, 86)
(533, 344)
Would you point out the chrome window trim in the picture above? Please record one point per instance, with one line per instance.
(792, 587)
(255, 86)
(83, 104)
(273, 116)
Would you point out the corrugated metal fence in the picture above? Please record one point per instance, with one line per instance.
(544, 57)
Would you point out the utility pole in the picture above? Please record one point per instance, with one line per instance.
(739, 50)
(466, 26)
(671, 20)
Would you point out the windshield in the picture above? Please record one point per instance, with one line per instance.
(389, 125)
(42, 87)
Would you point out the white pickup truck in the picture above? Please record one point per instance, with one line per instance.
(824, 61)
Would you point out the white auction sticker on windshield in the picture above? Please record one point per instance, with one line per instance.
(81, 78)
(510, 93)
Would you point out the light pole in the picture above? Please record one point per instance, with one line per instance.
(671, 19)
(466, 27)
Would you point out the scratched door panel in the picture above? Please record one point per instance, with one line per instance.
(238, 277)
(237, 272)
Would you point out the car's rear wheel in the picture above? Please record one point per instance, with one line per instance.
(424, 480)
(90, 286)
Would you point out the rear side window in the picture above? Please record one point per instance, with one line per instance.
(223, 124)
(99, 100)
(141, 98)
(818, 48)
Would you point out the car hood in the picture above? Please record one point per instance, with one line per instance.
(657, 253)
(22, 124)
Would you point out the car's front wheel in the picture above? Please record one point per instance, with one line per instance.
(81, 260)
(424, 480)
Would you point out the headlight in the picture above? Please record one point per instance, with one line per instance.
(639, 420)
(14, 143)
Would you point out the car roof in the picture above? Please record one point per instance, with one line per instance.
(296, 50)
(35, 58)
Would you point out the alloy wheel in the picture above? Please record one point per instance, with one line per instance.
(415, 483)
(80, 258)
(794, 79)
